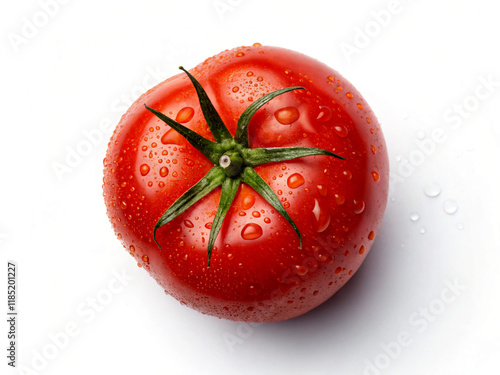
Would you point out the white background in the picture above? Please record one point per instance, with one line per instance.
(425, 301)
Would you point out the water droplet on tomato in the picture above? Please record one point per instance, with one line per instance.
(362, 249)
(257, 45)
(375, 176)
(450, 206)
(144, 169)
(247, 201)
(321, 216)
(324, 114)
(256, 214)
(338, 270)
(251, 231)
(132, 249)
(300, 270)
(123, 205)
(360, 106)
(163, 171)
(359, 207)
(322, 190)
(374, 149)
(235, 89)
(432, 190)
(339, 199)
(349, 95)
(208, 225)
(267, 220)
(341, 131)
(145, 259)
(295, 180)
(249, 74)
(184, 115)
(371, 235)
(347, 174)
(188, 224)
(254, 289)
(172, 137)
(287, 115)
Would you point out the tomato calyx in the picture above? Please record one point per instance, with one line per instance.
(233, 161)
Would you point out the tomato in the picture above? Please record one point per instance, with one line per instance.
(282, 234)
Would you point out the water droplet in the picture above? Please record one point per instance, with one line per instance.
(287, 115)
(300, 270)
(460, 225)
(267, 220)
(349, 95)
(184, 115)
(360, 106)
(208, 225)
(324, 114)
(240, 54)
(361, 249)
(374, 149)
(251, 231)
(347, 174)
(145, 259)
(249, 74)
(188, 224)
(339, 199)
(256, 214)
(230, 256)
(235, 89)
(144, 169)
(295, 180)
(371, 235)
(257, 45)
(338, 270)
(420, 134)
(163, 171)
(375, 176)
(432, 190)
(247, 201)
(414, 216)
(359, 207)
(321, 216)
(123, 205)
(450, 206)
(330, 78)
(132, 249)
(422, 230)
(341, 131)
(322, 190)
(172, 137)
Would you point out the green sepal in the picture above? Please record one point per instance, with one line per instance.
(252, 178)
(214, 122)
(241, 135)
(258, 156)
(209, 182)
(205, 146)
(229, 189)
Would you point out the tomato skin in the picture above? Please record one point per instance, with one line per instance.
(257, 272)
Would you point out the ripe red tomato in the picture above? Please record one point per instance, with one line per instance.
(258, 269)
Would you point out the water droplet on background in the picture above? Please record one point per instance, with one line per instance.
(450, 206)
(432, 189)
(422, 230)
(414, 216)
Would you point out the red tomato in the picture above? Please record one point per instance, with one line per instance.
(258, 270)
